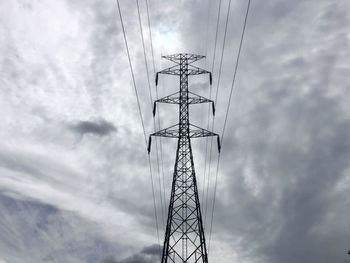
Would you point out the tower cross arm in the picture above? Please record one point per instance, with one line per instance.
(175, 99)
(197, 132)
(195, 99)
(170, 132)
(174, 132)
(193, 70)
(170, 71)
(176, 58)
(190, 71)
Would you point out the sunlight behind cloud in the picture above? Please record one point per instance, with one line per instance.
(168, 42)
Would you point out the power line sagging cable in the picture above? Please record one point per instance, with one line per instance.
(157, 97)
(217, 88)
(235, 71)
(154, 122)
(208, 124)
(141, 118)
(226, 116)
(206, 62)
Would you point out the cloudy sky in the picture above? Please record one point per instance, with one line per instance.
(74, 178)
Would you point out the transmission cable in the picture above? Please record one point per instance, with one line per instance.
(154, 121)
(216, 36)
(141, 118)
(206, 61)
(157, 97)
(217, 89)
(207, 31)
(208, 124)
(226, 115)
(235, 72)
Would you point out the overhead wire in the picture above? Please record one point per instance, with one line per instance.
(206, 61)
(151, 100)
(235, 71)
(157, 97)
(226, 116)
(150, 35)
(141, 118)
(208, 120)
(207, 32)
(216, 35)
(222, 52)
(217, 89)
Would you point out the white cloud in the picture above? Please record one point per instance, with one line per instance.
(285, 158)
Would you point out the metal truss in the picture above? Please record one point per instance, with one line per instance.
(177, 58)
(184, 236)
(175, 99)
(174, 132)
(190, 70)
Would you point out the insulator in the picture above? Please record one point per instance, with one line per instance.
(154, 108)
(149, 144)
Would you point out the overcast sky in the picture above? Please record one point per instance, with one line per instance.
(74, 177)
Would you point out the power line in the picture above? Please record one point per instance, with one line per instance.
(218, 84)
(235, 71)
(154, 203)
(206, 61)
(222, 51)
(207, 32)
(132, 74)
(216, 36)
(227, 111)
(141, 118)
(151, 99)
(150, 37)
(210, 91)
(157, 97)
(144, 52)
(214, 199)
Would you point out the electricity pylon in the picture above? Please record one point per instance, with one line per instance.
(184, 235)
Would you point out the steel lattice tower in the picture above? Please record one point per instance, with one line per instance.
(184, 235)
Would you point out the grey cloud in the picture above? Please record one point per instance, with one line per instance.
(38, 166)
(47, 234)
(306, 171)
(19, 163)
(286, 148)
(148, 254)
(100, 127)
(152, 250)
(287, 137)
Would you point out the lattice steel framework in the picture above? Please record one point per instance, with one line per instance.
(184, 235)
